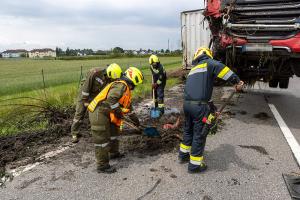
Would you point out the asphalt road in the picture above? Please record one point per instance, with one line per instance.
(245, 160)
(287, 102)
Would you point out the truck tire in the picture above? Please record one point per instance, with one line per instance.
(273, 83)
(284, 83)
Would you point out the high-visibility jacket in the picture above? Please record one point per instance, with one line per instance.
(200, 81)
(124, 102)
(159, 74)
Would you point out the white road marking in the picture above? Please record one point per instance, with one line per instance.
(18, 171)
(294, 145)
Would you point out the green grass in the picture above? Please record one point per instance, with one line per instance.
(21, 75)
(22, 78)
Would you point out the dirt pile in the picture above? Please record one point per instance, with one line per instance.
(28, 146)
(24, 145)
(180, 73)
(170, 138)
(143, 145)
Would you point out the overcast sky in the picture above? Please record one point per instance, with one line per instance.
(96, 24)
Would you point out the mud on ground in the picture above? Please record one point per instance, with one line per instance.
(26, 148)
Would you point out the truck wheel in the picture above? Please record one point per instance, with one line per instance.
(295, 66)
(284, 83)
(273, 83)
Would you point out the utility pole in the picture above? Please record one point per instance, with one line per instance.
(169, 44)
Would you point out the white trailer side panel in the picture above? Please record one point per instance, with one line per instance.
(194, 34)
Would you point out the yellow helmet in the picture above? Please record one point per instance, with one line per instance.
(114, 71)
(135, 75)
(153, 59)
(201, 51)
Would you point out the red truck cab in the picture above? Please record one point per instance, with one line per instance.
(260, 39)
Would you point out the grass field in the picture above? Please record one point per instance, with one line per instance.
(23, 78)
(21, 75)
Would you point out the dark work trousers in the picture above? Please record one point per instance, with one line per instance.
(194, 135)
(160, 93)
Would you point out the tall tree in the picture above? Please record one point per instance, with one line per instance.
(118, 50)
(68, 52)
(59, 51)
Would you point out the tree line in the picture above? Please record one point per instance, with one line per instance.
(115, 51)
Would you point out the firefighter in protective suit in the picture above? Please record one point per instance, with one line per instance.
(159, 80)
(197, 94)
(106, 112)
(96, 79)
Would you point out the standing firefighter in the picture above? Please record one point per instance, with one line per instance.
(106, 112)
(95, 81)
(197, 94)
(159, 79)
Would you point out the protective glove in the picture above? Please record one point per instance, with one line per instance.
(212, 106)
(135, 119)
(154, 86)
(239, 86)
(118, 113)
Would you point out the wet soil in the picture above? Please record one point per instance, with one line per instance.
(27, 183)
(262, 116)
(243, 112)
(24, 145)
(259, 149)
(180, 73)
(169, 139)
(27, 147)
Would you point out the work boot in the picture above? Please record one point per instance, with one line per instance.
(183, 160)
(75, 139)
(108, 169)
(199, 169)
(116, 155)
(162, 111)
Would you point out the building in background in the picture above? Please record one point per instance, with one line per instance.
(41, 53)
(14, 53)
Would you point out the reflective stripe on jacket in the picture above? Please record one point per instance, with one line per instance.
(200, 81)
(94, 82)
(159, 74)
(124, 101)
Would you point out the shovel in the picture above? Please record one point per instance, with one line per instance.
(154, 112)
(147, 131)
(213, 129)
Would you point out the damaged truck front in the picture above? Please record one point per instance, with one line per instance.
(260, 39)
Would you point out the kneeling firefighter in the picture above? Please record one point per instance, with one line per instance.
(197, 111)
(95, 80)
(106, 112)
(159, 80)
